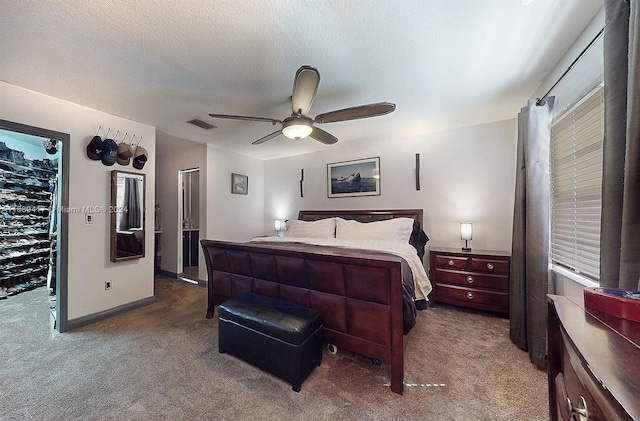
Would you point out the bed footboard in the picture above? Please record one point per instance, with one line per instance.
(358, 294)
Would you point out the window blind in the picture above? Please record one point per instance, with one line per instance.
(576, 186)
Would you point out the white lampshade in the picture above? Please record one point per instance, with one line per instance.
(297, 131)
(297, 127)
(280, 226)
(466, 230)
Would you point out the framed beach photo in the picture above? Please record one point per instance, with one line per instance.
(239, 184)
(354, 178)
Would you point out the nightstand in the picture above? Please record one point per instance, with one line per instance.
(475, 279)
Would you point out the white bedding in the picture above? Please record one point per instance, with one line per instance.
(397, 248)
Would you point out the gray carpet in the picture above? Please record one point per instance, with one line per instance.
(161, 362)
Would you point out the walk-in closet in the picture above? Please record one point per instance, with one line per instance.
(29, 215)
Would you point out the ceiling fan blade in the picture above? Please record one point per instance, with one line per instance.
(354, 113)
(323, 137)
(247, 118)
(305, 87)
(267, 137)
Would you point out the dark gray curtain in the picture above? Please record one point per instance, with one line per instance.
(530, 247)
(620, 228)
(131, 212)
(133, 203)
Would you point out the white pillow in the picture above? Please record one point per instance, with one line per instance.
(323, 228)
(396, 229)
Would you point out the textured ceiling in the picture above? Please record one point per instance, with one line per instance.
(444, 63)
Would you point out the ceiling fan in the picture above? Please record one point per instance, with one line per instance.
(299, 125)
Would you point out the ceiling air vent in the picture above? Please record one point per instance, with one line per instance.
(202, 124)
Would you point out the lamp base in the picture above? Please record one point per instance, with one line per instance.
(466, 248)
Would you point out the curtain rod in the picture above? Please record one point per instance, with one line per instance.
(593, 41)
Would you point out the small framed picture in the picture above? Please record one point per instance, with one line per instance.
(239, 184)
(354, 178)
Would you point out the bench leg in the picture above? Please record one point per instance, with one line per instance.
(210, 309)
(296, 387)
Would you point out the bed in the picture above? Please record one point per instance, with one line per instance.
(362, 294)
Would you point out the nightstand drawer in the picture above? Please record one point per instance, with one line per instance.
(469, 279)
(471, 297)
(452, 262)
(490, 266)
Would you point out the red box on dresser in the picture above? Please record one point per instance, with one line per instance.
(614, 301)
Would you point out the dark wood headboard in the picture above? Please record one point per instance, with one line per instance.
(362, 215)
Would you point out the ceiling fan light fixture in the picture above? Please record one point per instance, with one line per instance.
(297, 128)
(298, 125)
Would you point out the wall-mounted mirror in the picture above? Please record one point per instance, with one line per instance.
(127, 215)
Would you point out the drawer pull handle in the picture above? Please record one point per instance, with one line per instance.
(450, 262)
(489, 265)
(568, 405)
(470, 295)
(581, 412)
(470, 279)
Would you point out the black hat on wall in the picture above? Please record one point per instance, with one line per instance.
(109, 152)
(94, 148)
(140, 158)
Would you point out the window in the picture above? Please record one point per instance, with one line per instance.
(576, 186)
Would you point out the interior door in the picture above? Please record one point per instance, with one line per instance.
(189, 235)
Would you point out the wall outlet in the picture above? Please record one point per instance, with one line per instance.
(88, 219)
(107, 285)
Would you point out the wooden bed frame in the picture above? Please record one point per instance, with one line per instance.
(358, 293)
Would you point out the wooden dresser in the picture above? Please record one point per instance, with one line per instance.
(475, 279)
(594, 363)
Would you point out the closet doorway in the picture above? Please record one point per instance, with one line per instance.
(34, 188)
(189, 224)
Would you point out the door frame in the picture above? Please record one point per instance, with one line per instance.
(180, 260)
(62, 241)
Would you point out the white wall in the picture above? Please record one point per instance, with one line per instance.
(223, 216)
(233, 217)
(167, 195)
(89, 185)
(565, 286)
(467, 174)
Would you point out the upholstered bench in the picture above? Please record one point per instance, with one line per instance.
(279, 337)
